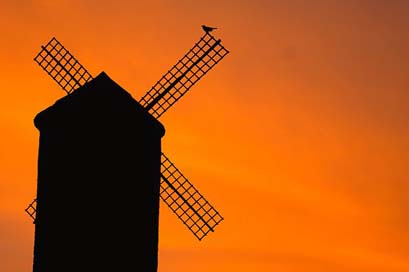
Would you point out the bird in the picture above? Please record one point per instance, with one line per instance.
(208, 29)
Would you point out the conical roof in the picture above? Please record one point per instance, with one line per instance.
(100, 101)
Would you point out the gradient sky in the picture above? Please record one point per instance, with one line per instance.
(299, 137)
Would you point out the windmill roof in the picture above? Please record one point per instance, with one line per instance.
(101, 101)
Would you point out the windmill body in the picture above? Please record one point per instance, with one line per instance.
(98, 182)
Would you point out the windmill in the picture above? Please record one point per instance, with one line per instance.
(176, 191)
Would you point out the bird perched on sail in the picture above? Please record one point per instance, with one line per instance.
(208, 29)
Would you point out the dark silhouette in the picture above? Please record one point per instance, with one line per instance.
(208, 29)
(101, 170)
(98, 182)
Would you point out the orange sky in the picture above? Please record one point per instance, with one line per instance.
(299, 137)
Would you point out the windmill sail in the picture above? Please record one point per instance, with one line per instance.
(176, 191)
(61, 65)
(186, 201)
(31, 210)
(183, 75)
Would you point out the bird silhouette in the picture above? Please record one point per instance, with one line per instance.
(208, 29)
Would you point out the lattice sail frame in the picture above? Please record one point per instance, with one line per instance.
(176, 191)
(61, 65)
(31, 209)
(203, 56)
(186, 202)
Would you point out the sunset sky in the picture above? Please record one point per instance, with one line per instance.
(299, 137)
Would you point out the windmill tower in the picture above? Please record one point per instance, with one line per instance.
(101, 170)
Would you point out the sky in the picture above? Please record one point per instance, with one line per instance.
(298, 137)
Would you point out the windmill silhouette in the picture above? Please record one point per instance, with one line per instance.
(94, 144)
